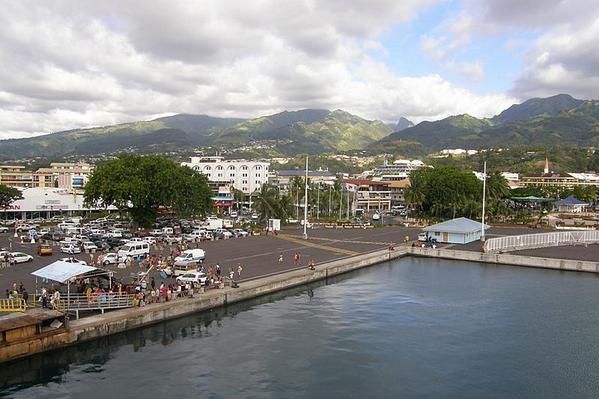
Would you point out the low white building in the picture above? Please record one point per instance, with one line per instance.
(243, 175)
(456, 231)
(46, 202)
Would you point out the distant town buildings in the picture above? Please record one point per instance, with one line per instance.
(396, 170)
(284, 178)
(549, 179)
(245, 176)
(57, 175)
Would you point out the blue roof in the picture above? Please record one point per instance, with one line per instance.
(459, 225)
(571, 200)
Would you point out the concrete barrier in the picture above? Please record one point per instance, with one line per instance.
(507, 259)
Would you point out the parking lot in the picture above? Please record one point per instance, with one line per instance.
(259, 255)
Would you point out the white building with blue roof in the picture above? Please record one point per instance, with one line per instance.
(456, 231)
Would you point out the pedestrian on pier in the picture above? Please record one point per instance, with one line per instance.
(280, 258)
(239, 269)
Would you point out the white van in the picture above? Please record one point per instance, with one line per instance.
(134, 249)
(191, 256)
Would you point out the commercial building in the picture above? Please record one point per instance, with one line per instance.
(369, 195)
(397, 170)
(284, 178)
(246, 176)
(57, 175)
(45, 203)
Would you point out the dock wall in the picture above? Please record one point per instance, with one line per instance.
(508, 259)
(102, 325)
(117, 321)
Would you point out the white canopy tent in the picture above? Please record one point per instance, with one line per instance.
(62, 271)
(66, 272)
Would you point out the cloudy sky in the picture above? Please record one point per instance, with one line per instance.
(70, 64)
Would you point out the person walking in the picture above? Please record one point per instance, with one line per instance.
(296, 259)
(231, 274)
(44, 298)
(280, 258)
(152, 283)
(239, 269)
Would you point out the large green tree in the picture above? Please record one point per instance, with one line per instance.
(8, 195)
(444, 192)
(143, 184)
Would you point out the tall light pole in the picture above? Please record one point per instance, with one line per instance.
(306, 203)
(482, 223)
(330, 199)
(318, 201)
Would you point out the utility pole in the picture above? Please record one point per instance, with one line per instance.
(330, 199)
(347, 204)
(306, 203)
(318, 201)
(482, 223)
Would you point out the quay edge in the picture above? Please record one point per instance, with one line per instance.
(102, 325)
(117, 321)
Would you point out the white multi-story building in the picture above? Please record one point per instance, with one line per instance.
(246, 176)
(398, 170)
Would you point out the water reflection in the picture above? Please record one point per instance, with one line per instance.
(52, 366)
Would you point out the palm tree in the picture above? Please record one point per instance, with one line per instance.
(265, 201)
(497, 187)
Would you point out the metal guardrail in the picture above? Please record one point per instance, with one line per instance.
(13, 305)
(541, 240)
(102, 301)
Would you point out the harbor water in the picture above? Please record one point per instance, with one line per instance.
(409, 328)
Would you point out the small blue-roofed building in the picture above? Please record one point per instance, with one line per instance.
(456, 231)
(571, 204)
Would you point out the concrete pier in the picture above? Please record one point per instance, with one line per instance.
(127, 319)
(101, 325)
(508, 259)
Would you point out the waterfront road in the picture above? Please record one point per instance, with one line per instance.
(258, 255)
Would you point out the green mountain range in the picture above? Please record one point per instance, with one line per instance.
(560, 119)
(312, 131)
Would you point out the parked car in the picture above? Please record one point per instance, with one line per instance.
(21, 257)
(150, 240)
(240, 233)
(44, 250)
(110, 259)
(89, 246)
(102, 245)
(192, 277)
(156, 232)
(3, 229)
(171, 239)
(70, 249)
(190, 256)
(114, 242)
(74, 260)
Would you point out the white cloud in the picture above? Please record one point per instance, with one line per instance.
(561, 62)
(69, 64)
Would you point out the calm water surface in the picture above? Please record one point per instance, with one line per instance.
(413, 328)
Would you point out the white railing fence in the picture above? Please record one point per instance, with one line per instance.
(541, 240)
